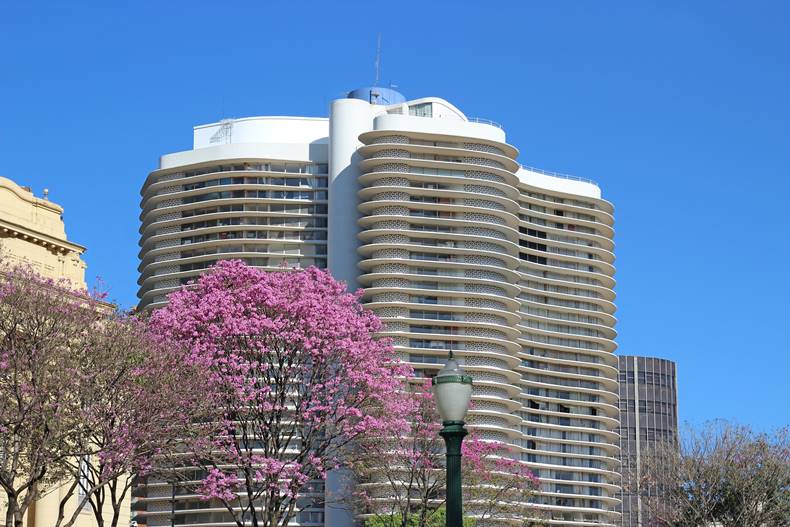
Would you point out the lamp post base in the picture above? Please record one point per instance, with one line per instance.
(453, 434)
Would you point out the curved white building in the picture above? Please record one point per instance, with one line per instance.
(254, 189)
(457, 246)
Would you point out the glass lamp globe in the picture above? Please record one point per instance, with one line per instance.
(452, 390)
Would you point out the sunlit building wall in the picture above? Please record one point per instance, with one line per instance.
(458, 247)
(33, 235)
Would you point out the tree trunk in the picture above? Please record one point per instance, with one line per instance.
(117, 496)
(97, 500)
(116, 513)
(10, 509)
(18, 518)
(21, 508)
(62, 508)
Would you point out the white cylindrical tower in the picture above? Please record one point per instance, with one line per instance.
(349, 118)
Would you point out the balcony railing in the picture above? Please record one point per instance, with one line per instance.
(559, 175)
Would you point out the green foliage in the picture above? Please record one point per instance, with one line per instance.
(436, 519)
(439, 519)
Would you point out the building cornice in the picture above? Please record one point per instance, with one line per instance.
(52, 243)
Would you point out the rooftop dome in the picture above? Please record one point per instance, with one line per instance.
(377, 95)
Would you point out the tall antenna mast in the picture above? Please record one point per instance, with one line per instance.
(378, 59)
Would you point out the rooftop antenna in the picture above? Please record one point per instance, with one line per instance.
(374, 93)
(378, 59)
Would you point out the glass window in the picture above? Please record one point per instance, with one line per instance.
(421, 110)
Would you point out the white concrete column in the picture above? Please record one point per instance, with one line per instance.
(348, 118)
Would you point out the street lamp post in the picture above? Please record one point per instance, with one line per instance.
(452, 390)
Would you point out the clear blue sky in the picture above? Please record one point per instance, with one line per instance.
(678, 109)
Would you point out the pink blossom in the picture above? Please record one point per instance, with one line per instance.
(409, 461)
(219, 484)
(294, 369)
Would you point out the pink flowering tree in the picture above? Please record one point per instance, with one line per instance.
(402, 476)
(88, 399)
(137, 396)
(399, 476)
(496, 486)
(297, 377)
(43, 324)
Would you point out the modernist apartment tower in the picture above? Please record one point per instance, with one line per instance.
(648, 415)
(457, 246)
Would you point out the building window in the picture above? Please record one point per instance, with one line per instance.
(84, 480)
(421, 110)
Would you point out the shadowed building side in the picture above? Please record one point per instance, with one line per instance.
(648, 415)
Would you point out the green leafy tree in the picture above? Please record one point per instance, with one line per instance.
(437, 519)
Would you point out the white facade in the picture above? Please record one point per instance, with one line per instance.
(457, 246)
(255, 189)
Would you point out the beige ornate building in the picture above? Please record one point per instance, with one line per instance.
(32, 232)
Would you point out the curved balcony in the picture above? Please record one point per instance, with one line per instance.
(226, 249)
(606, 367)
(610, 423)
(376, 135)
(607, 395)
(551, 321)
(449, 222)
(273, 233)
(442, 268)
(533, 333)
(455, 342)
(458, 295)
(436, 181)
(555, 247)
(424, 197)
(414, 151)
(612, 449)
(549, 223)
(610, 461)
(247, 166)
(601, 216)
(551, 297)
(228, 181)
(528, 305)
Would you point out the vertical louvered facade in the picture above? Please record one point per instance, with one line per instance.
(648, 417)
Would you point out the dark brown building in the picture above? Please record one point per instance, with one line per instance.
(648, 415)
